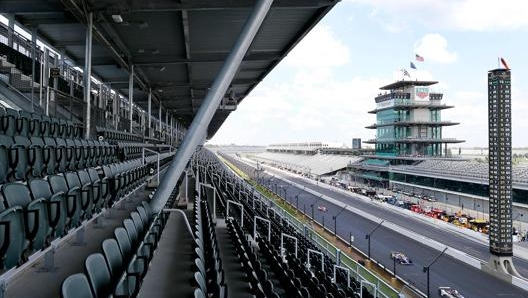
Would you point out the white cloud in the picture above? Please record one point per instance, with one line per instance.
(489, 15)
(433, 47)
(466, 15)
(320, 48)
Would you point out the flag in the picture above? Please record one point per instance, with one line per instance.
(419, 58)
(503, 62)
(405, 72)
(413, 66)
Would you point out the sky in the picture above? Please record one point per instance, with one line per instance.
(324, 88)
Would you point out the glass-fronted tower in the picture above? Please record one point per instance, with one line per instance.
(500, 169)
(409, 122)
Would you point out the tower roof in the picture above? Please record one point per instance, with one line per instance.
(403, 83)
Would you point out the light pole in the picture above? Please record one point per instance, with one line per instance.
(368, 236)
(335, 219)
(426, 269)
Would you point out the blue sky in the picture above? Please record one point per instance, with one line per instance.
(323, 89)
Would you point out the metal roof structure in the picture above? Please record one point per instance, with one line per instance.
(402, 84)
(176, 47)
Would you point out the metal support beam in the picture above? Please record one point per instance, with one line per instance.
(149, 108)
(88, 73)
(11, 29)
(130, 96)
(159, 118)
(33, 62)
(210, 104)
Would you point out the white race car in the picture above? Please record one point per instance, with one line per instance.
(401, 258)
(447, 292)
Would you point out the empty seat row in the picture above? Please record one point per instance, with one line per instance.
(296, 277)
(209, 274)
(23, 123)
(22, 157)
(130, 150)
(117, 271)
(35, 212)
(116, 135)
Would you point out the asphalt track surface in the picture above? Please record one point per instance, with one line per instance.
(446, 271)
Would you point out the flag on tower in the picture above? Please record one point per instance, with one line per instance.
(419, 58)
(405, 72)
(503, 62)
(413, 66)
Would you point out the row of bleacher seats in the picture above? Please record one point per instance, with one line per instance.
(116, 135)
(33, 214)
(26, 124)
(117, 271)
(130, 150)
(209, 275)
(307, 281)
(261, 286)
(26, 157)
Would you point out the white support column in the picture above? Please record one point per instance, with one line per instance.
(11, 29)
(33, 64)
(166, 125)
(45, 80)
(149, 108)
(201, 120)
(87, 75)
(159, 118)
(130, 96)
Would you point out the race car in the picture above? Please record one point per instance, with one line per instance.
(321, 208)
(447, 292)
(401, 258)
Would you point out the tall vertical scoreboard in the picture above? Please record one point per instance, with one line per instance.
(500, 164)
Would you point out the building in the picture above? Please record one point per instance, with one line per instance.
(408, 129)
(409, 122)
(356, 143)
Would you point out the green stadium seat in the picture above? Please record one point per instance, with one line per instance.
(76, 286)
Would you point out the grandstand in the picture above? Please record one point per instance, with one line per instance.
(102, 105)
(310, 165)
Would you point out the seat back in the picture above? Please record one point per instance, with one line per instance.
(49, 155)
(61, 155)
(125, 247)
(23, 123)
(36, 156)
(45, 124)
(5, 171)
(34, 125)
(113, 256)
(19, 157)
(89, 190)
(130, 227)
(138, 223)
(9, 125)
(72, 154)
(76, 286)
(98, 275)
